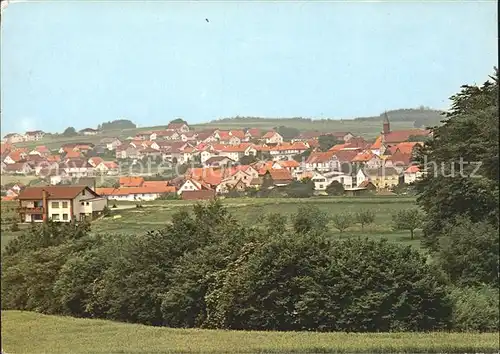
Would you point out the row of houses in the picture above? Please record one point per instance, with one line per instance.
(34, 135)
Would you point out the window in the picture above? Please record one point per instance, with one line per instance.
(64, 204)
(65, 216)
(320, 186)
(55, 217)
(87, 203)
(82, 203)
(83, 192)
(55, 205)
(342, 180)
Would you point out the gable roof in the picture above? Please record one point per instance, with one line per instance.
(269, 134)
(398, 136)
(237, 133)
(17, 155)
(281, 174)
(364, 156)
(253, 132)
(53, 192)
(320, 157)
(400, 158)
(346, 155)
(404, 147)
(377, 144)
(131, 181)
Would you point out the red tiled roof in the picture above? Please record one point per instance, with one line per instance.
(269, 135)
(150, 184)
(158, 189)
(287, 146)
(254, 132)
(17, 155)
(405, 147)
(346, 155)
(313, 143)
(399, 158)
(399, 136)
(42, 149)
(54, 192)
(280, 174)
(238, 133)
(131, 181)
(5, 147)
(320, 157)
(338, 147)
(412, 169)
(288, 164)
(96, 160)
(73, 154)
(364, 156)
(224, 135)
(377, 144)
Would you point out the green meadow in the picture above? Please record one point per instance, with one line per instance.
(29, 332)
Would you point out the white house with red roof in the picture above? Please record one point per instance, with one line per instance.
(286, 151)
(272, 137)
(412, 174)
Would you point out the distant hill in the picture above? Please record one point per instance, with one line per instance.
(415, 117)
(421, 117)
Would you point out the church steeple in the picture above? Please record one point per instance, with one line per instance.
(386, 124)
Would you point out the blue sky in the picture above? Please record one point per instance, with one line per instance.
(81, 63)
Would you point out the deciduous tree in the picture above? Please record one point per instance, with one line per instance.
(408, 219)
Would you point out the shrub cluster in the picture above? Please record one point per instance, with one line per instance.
(206, 270)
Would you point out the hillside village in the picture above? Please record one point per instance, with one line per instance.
(203, 164)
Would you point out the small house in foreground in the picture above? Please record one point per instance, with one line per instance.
(59, 203)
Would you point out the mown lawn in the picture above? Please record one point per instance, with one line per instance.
(29, 332)
(250, 211)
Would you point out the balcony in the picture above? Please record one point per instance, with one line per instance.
(31, 210)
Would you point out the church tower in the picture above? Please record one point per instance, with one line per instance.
(386, 124)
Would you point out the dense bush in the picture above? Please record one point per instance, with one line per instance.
(204, 269)
(475, 309)
(468, 253)
(307, 283)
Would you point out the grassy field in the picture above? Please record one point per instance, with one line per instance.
(28, 332)
(23, 179)
(154, 215)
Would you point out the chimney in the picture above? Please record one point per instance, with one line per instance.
(45, 205)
